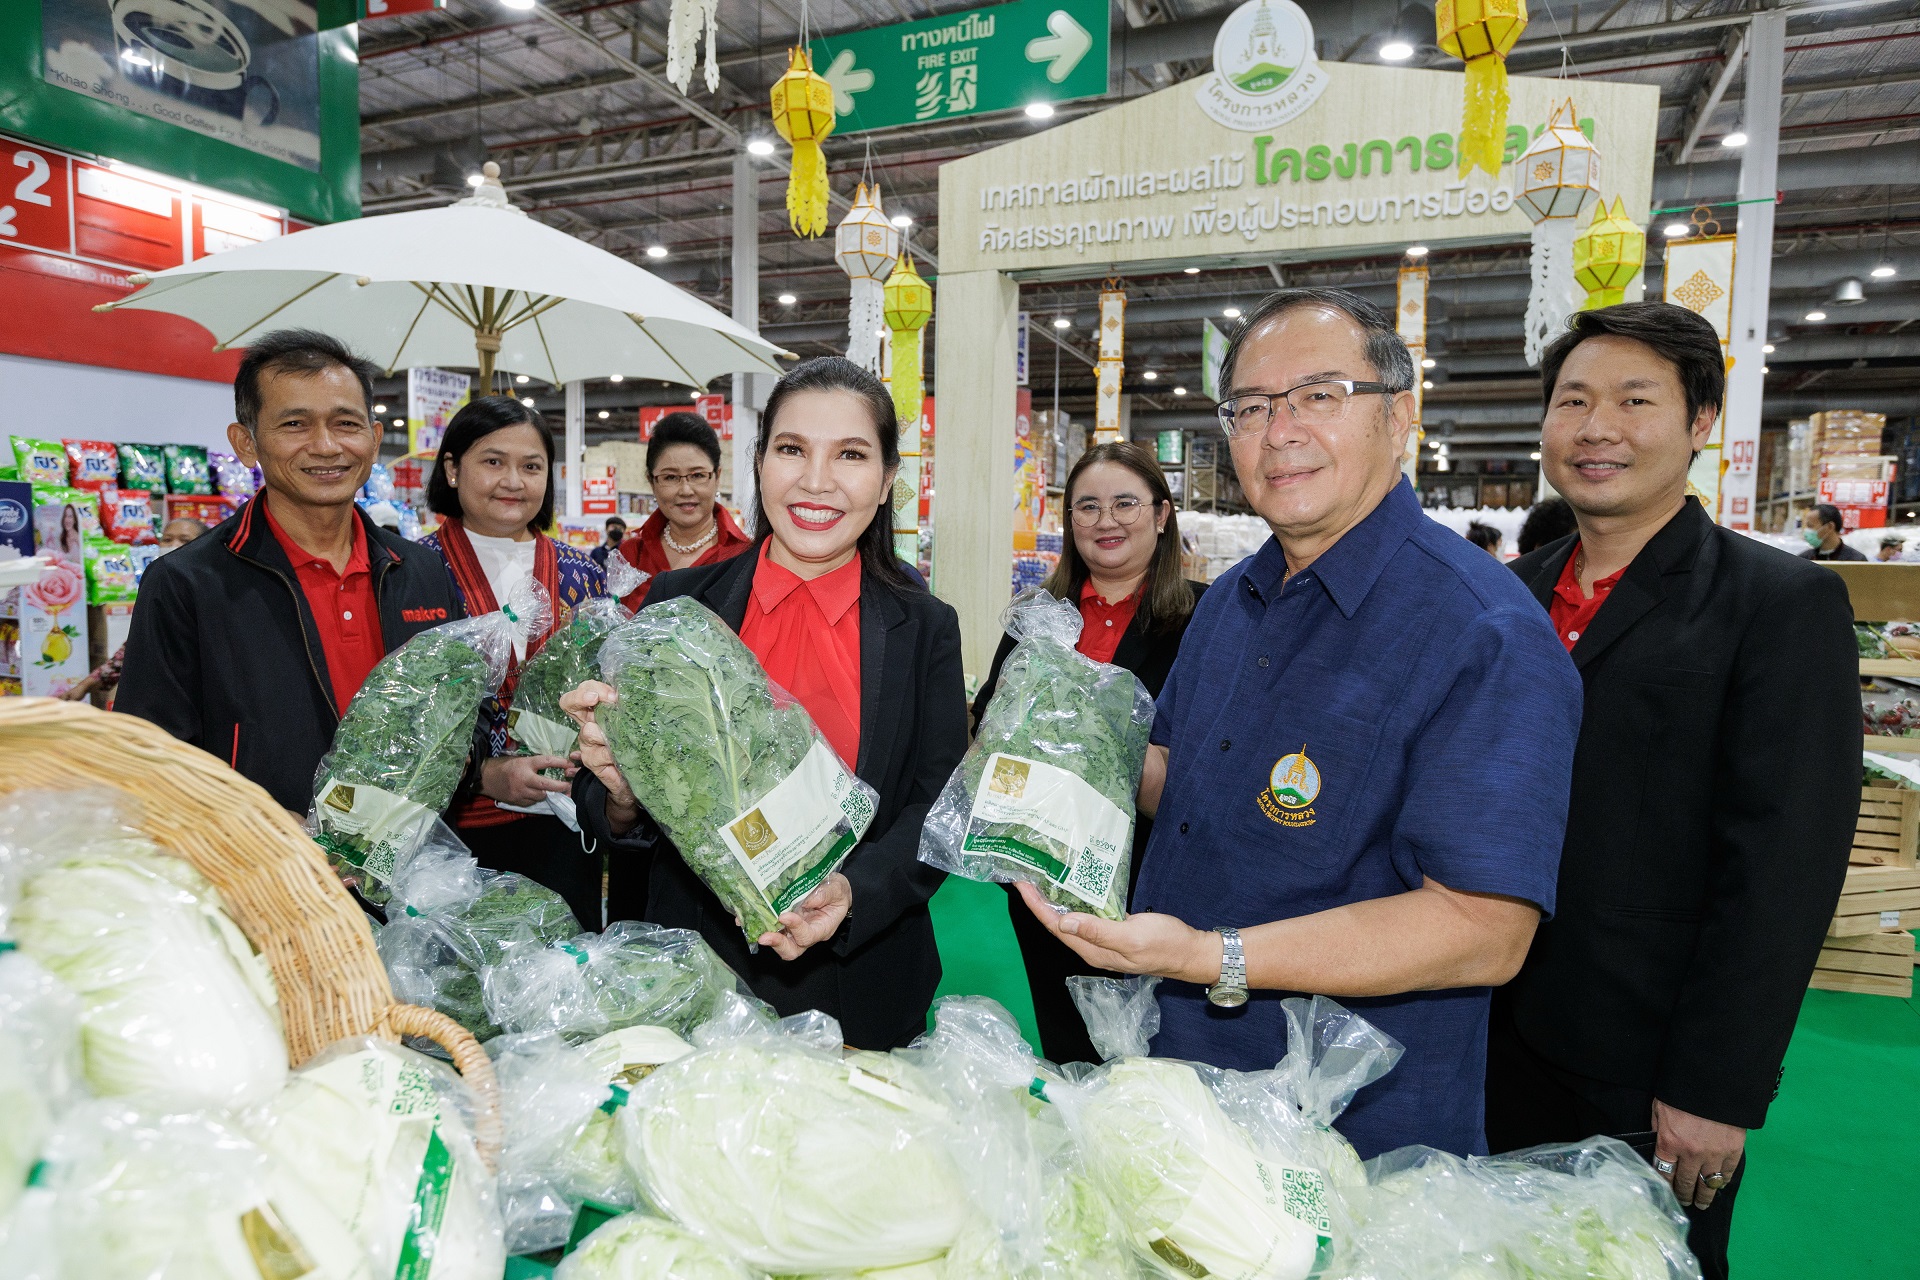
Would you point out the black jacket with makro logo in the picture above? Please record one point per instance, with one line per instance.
(224, 652)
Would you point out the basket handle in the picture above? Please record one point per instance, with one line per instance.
(468, 1058)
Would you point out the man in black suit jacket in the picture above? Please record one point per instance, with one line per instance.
(1715, 786)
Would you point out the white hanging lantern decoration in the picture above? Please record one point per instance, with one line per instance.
(1559, 177)
(866, 246)
(685, 23)
(1111, 367)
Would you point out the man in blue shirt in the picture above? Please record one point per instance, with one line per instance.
(1362, 755)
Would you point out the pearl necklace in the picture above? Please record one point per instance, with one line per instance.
(713, 531)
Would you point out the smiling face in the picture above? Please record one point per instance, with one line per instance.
(822, 480)
(685, 483)
(1112, 495)
(501, 481)
(1617, 441)
(1311, 483)
(314, 440)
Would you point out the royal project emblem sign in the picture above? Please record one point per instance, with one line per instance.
(1264, 69)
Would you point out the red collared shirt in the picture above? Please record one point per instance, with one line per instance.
(645, 550)
(806, 634)
(1103, 624)
(345, 609)
(1572, 612)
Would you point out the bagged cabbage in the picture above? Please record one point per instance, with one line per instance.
(770, 1146)
(383, 1136)
(186, 1196)
(630, 975)
(562, 1147)
(728, 763)
(401, 749)
(641, 1247)
(569, 658)
(450, 920)
(1570, 1212)
(175, 1003)
(1046, 790)
(39, 1065)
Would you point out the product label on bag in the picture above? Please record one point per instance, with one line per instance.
(369, 828)
(539, 735)
(1247, 1199)
(792, 820)
(1043, 817)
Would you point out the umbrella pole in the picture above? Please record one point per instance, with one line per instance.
(486, 343)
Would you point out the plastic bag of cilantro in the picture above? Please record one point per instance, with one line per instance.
(1046, 791)
(401, 749)
(569, 658)
(728, 763)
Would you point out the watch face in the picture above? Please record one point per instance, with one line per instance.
(1227, 997)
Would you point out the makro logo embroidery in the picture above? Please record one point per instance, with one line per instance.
(424, 615)
(1292, 788)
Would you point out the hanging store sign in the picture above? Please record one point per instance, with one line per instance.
(1699, 277)
(1161, 179)
(962, 64)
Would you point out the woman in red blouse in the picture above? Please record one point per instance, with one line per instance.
(688, 526)
(874, 658)
(1122, 566)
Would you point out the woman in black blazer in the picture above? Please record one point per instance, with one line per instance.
(1122, 567)
(874, 658)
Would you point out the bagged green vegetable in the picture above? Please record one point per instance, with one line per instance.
(569, 658)
(39, 1065)
(728, 763)
(639, 1246)
(631, 975)
(772, 1147)
(451, 920)
(136, 1191)
(175, 1003)
(1584, 1210)
(401, 750)
(384, 1136)
(1046, 790)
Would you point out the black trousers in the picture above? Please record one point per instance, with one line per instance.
(1530, 1101)
(545, 851)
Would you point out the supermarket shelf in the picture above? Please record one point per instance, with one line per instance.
(1903, 668)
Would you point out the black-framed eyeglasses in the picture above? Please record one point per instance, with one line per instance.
(1125, 511)
(1312, 404)
(674, 479)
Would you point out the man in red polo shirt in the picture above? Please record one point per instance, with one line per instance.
(251, 641)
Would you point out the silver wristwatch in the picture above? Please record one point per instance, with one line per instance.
(1231, 991)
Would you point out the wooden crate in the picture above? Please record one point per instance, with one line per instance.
(1887, 833)
(1874, 899)
(1865, 984)
(1888, 954)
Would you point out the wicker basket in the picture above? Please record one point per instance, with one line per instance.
(274, 880)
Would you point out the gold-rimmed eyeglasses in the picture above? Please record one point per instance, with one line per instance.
(1312, 404)
(1126, 511)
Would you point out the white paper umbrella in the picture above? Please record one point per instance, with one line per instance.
(477, 282)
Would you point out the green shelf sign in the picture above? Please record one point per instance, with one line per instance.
(998, 58)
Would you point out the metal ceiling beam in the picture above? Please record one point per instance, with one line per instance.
(1714, 91)
(483, 102)
(658, 83)
(1541, 41)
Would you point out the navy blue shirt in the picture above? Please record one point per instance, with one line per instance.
(1399, 710)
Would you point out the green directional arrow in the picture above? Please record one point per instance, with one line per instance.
(1062, 49)
(996, 58)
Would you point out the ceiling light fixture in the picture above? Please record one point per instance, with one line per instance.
(694, 394)
(1534, 456)
(603, 415)
(1433, 444)
(616, 377)
(1816, 316)
(527, 401)
(1395, 51)
(1231, 313)
(1192, 271)
(380, 408)
(1061, 322)
(521, 377)
(787, 299)
(1040, 110)
(1429, 363)
(1426, 384)
(518, 4)
(1151, 376)
(1734, 139)
(1674, 230)
(656, 251)
(1767, 348)
(902, 219)
(759, 147)
(1884, 270)
(1179, 391)
(1416, 251)
(474, 179)
(399, 422)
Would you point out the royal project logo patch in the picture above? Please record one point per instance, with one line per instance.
(1292, 788)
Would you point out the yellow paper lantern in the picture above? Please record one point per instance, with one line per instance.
(909, 305)
(803, 115)
(1481, 33)
(1608, 255)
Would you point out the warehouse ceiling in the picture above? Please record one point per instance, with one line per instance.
(571, 100)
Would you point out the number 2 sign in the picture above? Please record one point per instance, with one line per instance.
(33, 199)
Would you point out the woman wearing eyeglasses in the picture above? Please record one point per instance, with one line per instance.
(1122, 567)
(689, 526)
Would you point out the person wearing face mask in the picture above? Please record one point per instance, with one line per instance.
(1822, 526)
(1122, 567)
(492, 487)
(832, 616)
(689, 526)
(105, 678)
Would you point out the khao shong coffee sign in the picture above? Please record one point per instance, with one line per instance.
(1274, 152)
